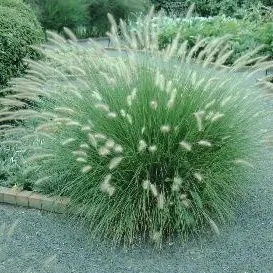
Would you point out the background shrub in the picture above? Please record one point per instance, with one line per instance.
(208, 7)
(57, 14)
(98, 9)
(85, 17)
(144, 145)
(19, 30)
(245, 35)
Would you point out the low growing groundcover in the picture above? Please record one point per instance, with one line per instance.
(155, 146)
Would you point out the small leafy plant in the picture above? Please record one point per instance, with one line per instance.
(146, 143)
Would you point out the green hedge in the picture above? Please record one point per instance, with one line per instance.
(85, 17)
(245, 35)
(19, 29)
(57, 14)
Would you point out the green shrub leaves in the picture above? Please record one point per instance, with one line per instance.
(19, 30)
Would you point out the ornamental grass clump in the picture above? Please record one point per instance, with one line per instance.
(147, 144)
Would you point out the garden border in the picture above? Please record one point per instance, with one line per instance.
(34, 200)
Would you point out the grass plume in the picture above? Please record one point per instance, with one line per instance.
(148, 143)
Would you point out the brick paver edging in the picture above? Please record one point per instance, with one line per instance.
(33, 200)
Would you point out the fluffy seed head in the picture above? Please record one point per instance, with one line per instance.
(186, 203)
(205, 143)
(86, 169)
(142, 145)
(99, 136)
(142, 130)
(165, 129)
(153, 104)
(102, 107)
(183, 196)
(92, 140)
(131, 97)
(243, 162)
(97, 96)
(112, 115)
(185, 145)
(123, 113)
(208, 105)
(198, 176)
(118, 149)
(129, 118)
(115, 162)
(111, 191)
(153, 190)
(65, 110)
(146, 184)
(103, 151)
(171, 101)
(156, 237)
(214, 227)
(73, 123)
(177, 180)
(39, 157)
(68, 141)
(81, 159)
(199, 118)
(216, 116)
(210, 115)
(107, 179)
(79, 153)
(86, 128)
(106, 187)
(134, 92)
(84, 146)
(109, 144)
(152, 149)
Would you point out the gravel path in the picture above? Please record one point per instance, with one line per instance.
(45, 242)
